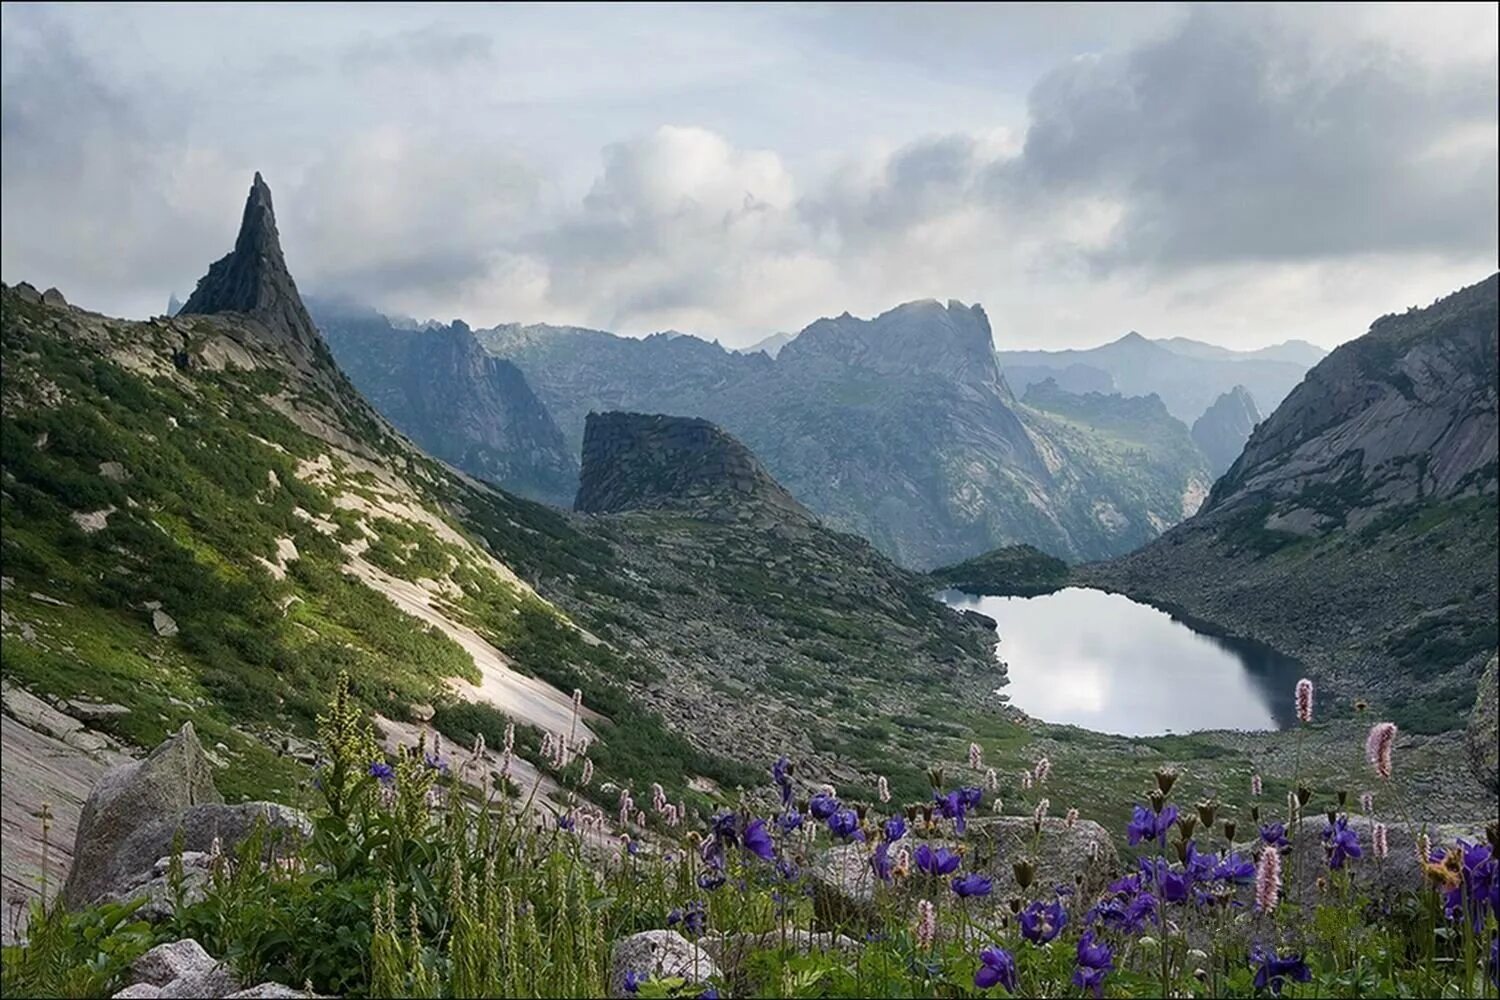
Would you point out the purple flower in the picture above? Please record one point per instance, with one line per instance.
(781, 773)
(895, 828)
(384, 772)
(632, 848)
(972, 884)
(845, 824)
(1478, 890)
(1274, 834)
(1343, 841)
(1146, 824)
(1041, 923)
(823, 806)
(971, 796)
(709, 994)
(725, 829)
(997, 967)
(1174, 885)
(787, 869)
(956, 805)
(789, 821)
(757, 840)
(711, 880)
(1095, 960)
(939, 862)
(880, 861)
(1235, 869)
(435, 763)
(565, 821)
(693, 918)
(1272, 971)
(633, 981)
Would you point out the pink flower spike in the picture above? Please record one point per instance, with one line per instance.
(1378, 747)
(1304, 700)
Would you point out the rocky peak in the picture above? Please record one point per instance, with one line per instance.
(923, 337)
(1221, 432)
(641, 461)
(253, 278)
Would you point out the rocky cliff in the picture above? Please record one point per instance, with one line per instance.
(1224, 428)
(459, 403)
(1358, 528)
(638, 461)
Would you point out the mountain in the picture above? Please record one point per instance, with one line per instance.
(1224, 428)
(204, 520)
(454, 400)
(771, 345)
(1298, 352)
(173, 305)
(898, 428)
(1357, 530)
(1188, 383)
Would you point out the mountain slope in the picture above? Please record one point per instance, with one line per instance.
(454, 400)
(203, 519)
(1224, 428)
(1369, 496)
(1187, 383)
(898, 428)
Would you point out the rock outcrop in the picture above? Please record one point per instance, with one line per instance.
(658, 955)
(1224, 428)
(135, 812)
(1484, 729)
(183, 969)
(638, 461)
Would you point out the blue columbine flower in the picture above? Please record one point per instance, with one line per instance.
(1272, 971)
(757, 840)
(895, 828)
(789, 821)
(435, 763)
(565, 821)
(845, 824)
(383, 772)
(936, 862)
(997, 967)
(633, 981)
(1041, 923)
(787, 869)
(1479, 886)
(880, 861)
(711, 880)
(972, 884)
(956, 805)
(1235, 869)
(1146, 824)
(693, 918)
(725, 829)
(822, 806)
(1174, 885)
(1344, 842)
(781, 773)
(1095, 960)
(1274, 835)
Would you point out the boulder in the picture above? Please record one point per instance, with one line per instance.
(138, 991)
(52, 297)
(174, 778)
(1484, 728)
(164, 624)
(659, 955)
(155, 887)
(1396, 872)
(167, 962)
(28, 293)
(269, 991)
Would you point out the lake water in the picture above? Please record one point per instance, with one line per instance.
(1102, 661)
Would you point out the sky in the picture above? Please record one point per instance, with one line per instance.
(1242, 175)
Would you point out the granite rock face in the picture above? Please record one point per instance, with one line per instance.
(637, 461)
(1224, 428)
(1484, 730)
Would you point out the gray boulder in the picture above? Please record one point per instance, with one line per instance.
(660, 955)
(1396, 872)
(166, 962)
(175, 777)
(1484, 728)
(138, 991)
(269, 991)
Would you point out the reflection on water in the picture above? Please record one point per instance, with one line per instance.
(1105, 662)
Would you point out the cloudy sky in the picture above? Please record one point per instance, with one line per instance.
(1240, 175)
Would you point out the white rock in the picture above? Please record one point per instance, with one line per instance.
(661, 955)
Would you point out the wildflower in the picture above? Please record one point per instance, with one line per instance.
(1042, 770)
(1367, 802)
(634, 981)
(1423, 848)
(1025, 780)
(991, 779)
(1040, 812)
(565, 821)
(1255, 785)
(1342, 842)
(435, 763)
(1072, 817)
(757, 840)
(1477, 888)
(781, 773)
(997, 967)
(883, 789)
(1165, 779)
(1304, 700)
(926, 928)
(1040, 923)
(937, 862)
(658, 798)
(902, 867)
(1235, 869)
(1272, 971)
(640, 818)
(823, 806)
(976, 756)
(880, 861)
(1268, 879)
(1381, 840)
(1378, 747)
(383, 772)
(1148, 825)
(1274, 835)
(588, 772)
(1229, 829)
(693, 918)
(895, 828)
(789, 821)
(844, 824)
(1095, 960)
(711, 879)
(972, 884)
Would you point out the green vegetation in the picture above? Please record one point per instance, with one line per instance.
(1014, 570)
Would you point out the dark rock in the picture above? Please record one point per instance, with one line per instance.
(1484, 730)
(1221, 432)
